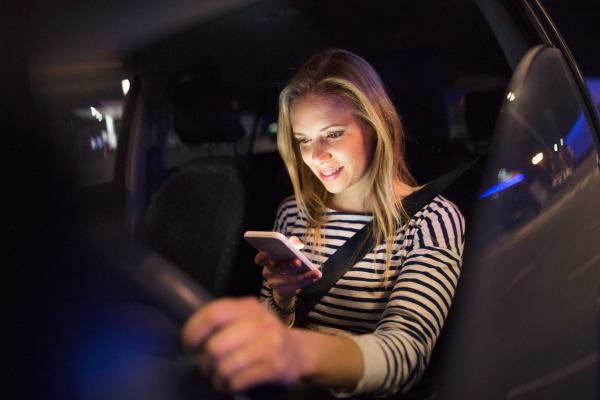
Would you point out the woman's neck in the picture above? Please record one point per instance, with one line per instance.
(349, 204)
(401, 190)
(361, 202)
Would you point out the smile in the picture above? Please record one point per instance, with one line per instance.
(330, 174)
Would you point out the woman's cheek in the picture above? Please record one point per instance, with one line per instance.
(306, 155)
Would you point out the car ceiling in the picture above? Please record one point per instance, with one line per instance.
(82, 50)
(261, 43)
(85, 50)
(76, 48)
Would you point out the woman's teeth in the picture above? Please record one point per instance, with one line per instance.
(331, 173)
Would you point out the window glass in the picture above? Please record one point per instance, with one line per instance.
(261, 133)
(528, 307)
(95, 129)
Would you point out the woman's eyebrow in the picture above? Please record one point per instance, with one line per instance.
(320, 130)
(331, 126)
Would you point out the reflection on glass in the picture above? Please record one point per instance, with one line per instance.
(95, 131)
(525, 315)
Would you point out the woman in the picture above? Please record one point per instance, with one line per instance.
(373, 332)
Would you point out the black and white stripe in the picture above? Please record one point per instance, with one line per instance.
(395, 325)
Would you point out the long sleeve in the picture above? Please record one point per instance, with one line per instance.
(397, 352)
(287, 214)
(396, 325)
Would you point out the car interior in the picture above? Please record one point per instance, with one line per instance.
(194, 163)
(198, 83)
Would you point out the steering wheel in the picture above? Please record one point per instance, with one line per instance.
(174, 292)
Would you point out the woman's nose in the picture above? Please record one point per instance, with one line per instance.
(320, 154)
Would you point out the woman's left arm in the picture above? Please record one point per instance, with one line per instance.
(396, 354)
(242, 345)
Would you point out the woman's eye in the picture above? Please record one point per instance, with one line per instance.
(303, 140)
(335, 135)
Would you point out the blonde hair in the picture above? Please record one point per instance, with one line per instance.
(344, 75)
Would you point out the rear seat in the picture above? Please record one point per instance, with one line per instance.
(414, 86)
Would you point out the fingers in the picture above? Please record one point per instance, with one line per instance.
(229, 338)
(283, 267)
(263, 258)
(260, 355)
(300, 278)
(297, 242)
(213, 316)
(243, 345)
(254, 370)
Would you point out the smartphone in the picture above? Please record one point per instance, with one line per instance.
(278, 246)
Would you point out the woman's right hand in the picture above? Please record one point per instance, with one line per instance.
(284, 277)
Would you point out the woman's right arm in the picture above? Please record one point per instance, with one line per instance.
(280, 281)
(284, 280)
(242, 345)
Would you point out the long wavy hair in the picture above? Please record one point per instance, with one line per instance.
(340, 74)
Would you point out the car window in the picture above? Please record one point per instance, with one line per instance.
(260, 137)
(94, 136)
(529, 305)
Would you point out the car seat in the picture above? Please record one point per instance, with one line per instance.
(414, 86)
(198, 216)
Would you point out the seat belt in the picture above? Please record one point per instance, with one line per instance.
(362, 242)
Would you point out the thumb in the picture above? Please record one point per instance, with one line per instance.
(296, 242)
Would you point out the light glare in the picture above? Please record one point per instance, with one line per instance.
(96, 114)
(503, 175)
(538, 157)
(125, 83)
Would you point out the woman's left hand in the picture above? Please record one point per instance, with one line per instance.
(243, 345)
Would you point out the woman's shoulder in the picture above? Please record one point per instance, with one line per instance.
(440, 224)
(287, 203)
(441, 206)
(441, 202)
(287, 207)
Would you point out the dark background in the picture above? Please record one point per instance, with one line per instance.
(37, 199)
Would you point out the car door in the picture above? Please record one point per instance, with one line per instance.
(524, 321)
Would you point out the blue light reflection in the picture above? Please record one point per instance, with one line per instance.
(579, 138)
(503, 185)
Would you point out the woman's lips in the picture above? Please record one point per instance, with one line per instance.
(330, 174)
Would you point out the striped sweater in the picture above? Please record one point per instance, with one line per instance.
(396, 326)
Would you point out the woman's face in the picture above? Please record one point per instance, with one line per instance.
(336, 144)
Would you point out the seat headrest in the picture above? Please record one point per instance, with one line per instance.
(202, 113)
